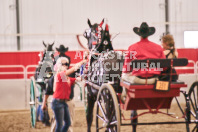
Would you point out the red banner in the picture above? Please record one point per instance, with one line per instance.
(24, 59)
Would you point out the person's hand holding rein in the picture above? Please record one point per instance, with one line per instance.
(76, 67)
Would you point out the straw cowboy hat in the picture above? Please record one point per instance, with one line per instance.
(62, 48)
(144, 30)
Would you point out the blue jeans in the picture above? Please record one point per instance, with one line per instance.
(39, 113)
(61, 113)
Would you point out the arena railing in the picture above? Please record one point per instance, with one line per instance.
(11, 72)
(194, 67)
(32, 72)
(25, 71)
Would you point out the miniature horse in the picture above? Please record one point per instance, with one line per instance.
(102, 52)
(44, 71)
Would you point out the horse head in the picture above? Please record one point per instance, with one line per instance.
(93, 34)
(48, 51)
(46, 63)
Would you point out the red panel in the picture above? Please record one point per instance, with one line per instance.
(25, 59)
(148, 93)
(155, 99)
(32, 58)
(190, 54)
(75, 56)
(19, 58)
(153, 103)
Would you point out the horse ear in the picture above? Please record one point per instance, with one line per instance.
(102, 22)
(89, 23)
(52, 44)
(44, 44)
(107, 27)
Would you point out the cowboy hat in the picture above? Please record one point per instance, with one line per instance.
(144, 30)
(62, 49)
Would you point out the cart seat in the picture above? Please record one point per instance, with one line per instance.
(144, 96)
(140, 96)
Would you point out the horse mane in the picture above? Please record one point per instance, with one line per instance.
(105, 44)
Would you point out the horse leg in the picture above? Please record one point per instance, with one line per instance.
(134, 114)
(89, 115)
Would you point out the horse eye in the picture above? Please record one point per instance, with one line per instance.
(85, 34)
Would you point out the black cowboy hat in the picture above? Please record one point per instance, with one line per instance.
(144, 30)
(62, 48)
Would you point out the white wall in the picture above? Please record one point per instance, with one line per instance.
(183, 17)
(69, 17)
(7, 25)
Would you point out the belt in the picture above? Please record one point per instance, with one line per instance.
(63, 100)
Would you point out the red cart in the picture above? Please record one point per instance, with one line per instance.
(150, 97)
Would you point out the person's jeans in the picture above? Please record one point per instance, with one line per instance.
(71, 107)
(42, 115)
(39, 114)
(61, 113)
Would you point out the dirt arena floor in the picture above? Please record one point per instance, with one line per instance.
(19, 121)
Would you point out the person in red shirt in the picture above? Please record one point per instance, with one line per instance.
(62, 91)
(144, 49)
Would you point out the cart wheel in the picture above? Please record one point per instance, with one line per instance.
(107, 111)
(185, 111)
(32, 104)
(193, 96)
